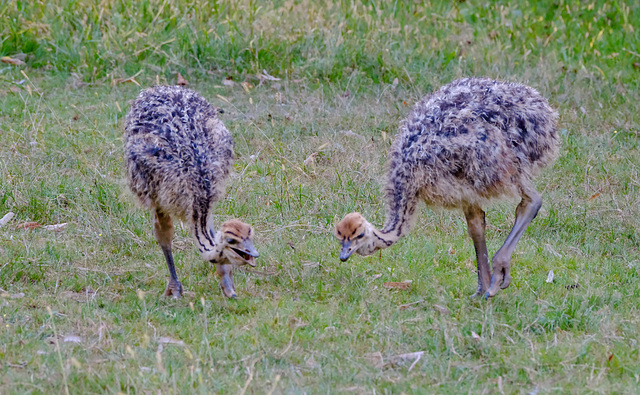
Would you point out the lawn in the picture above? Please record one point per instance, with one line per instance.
(313, 92)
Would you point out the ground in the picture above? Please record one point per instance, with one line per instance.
(313, 93)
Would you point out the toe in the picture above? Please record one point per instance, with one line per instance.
(174, 290)
(496, 280)
(479, 292)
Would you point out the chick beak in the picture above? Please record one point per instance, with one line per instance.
(251, 251)
(226, 280)
(346, 251)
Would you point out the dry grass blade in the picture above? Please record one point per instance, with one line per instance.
(275, 385)
(28, 225)
(12, 61)
(265, 76)
(404, 285)
(7, 217)
(409, 305)
(550, 276)
(250, 378)
(128, 79)
(403, 358)
(72, 339)
(5, 294)
(310, 159)
(56, 227)
(247, 86)
(169, 340)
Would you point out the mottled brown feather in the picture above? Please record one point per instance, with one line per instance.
(471, 141)
(179, 155)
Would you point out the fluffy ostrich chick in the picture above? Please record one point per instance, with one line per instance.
(178, 155)
(471, 142)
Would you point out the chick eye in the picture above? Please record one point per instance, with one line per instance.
(231, 241)
(360, 236)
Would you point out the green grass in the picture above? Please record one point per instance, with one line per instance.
(304, 321)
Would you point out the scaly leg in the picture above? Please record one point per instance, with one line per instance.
(476, 228)
(525, 213)
(225, 272)
(163, 227)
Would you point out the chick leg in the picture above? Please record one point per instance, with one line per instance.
(163, 227)
(476, 228)
(224, 271)
(525, 213)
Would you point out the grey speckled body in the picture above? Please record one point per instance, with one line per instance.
(178, 155)
(178, 152)
(471, 141)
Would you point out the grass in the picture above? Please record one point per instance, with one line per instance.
(81, 308)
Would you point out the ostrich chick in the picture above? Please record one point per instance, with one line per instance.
(472, 141)
(178, 156)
